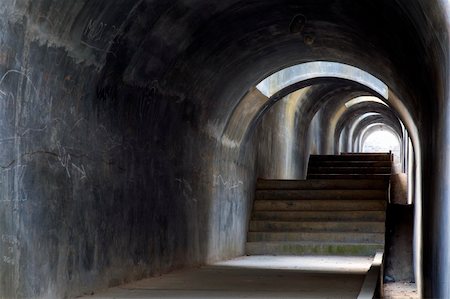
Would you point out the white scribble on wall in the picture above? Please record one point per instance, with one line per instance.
(10, 243)
(231, 184)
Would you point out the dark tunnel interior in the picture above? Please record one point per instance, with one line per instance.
(133, 132)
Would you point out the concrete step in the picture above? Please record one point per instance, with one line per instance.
(324, 163)
(309, 248)
(322, 184)
(335, 237)
(319, 215)
(365, 154)
(340, 209)
(321, 194)
(315, 226)
(349, 176)
(353, 157)
(349, 170)
(320, 205)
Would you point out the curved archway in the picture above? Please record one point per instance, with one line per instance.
(355, 114)
(284, 82)
(367, 126)
(379, 137)
(260, 103)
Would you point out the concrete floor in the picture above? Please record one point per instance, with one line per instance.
(400, 290)
(255, 277)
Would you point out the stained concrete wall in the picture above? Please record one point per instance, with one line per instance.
(399, 240)
(92, 190)
(99, 185)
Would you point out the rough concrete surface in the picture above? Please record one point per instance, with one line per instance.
(399, 189)
(399, 243)
(255, 277)
(400, 290)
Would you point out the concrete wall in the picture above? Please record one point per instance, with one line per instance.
(106, 176)
(399, 240)
(284, 139)
(92, 185)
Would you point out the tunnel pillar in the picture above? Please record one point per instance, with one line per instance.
(327, 135)
(284, 151)
(436, 211)
(436, 207)
(345, 144)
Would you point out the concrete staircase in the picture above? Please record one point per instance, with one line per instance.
(339, 210)
(350, 166)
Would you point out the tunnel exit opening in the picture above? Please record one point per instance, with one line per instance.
(381, 141)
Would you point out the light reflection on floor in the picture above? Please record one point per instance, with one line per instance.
(322, 264)
(255, 277)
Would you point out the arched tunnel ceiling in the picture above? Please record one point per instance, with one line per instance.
(316, 93)
(355, 111)
(277, 83)
(145, 46)
(363, 99)
(374, 127)
(344, 84)
(255, 40)
(377, 119)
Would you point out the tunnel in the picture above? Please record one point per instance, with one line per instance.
(133, 132)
